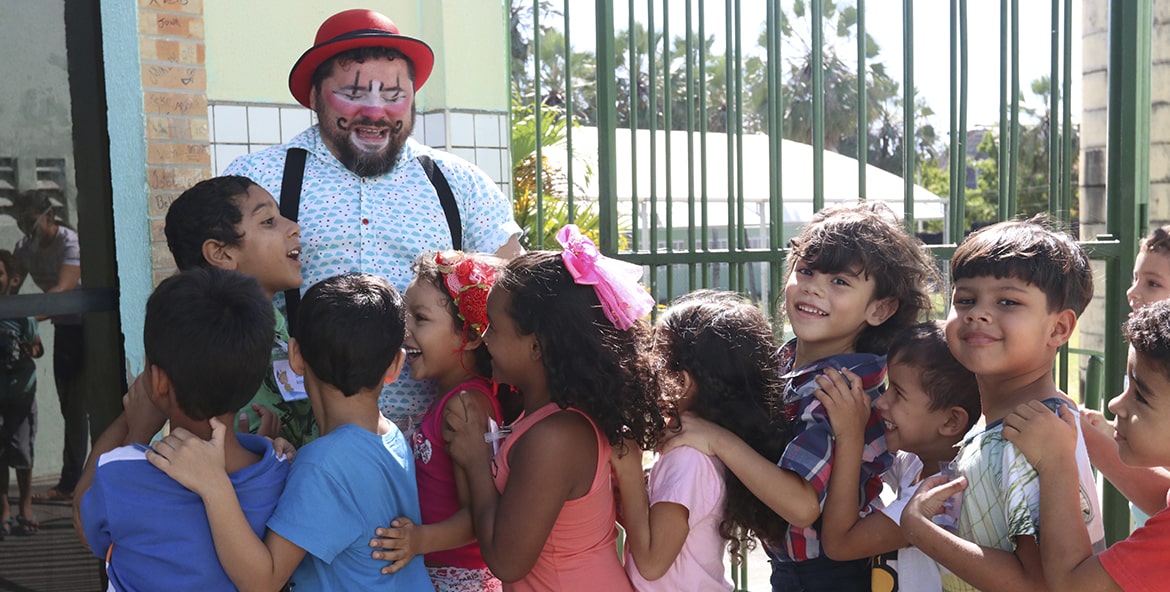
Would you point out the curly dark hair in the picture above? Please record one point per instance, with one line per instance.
(425, 269)
(1034, 251)
(1148, 332)
(592, 366)
(867, 238)
(727, 346)
(1157, 241)
(209, 210)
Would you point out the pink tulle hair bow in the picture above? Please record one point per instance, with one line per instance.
(623, 299)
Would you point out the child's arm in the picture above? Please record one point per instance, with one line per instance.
(139, 421)
(654, 534)
(550, 464)
(785, 492)
(198, 465)
(844, 536)
(1144, 486)
(405, 539)
(984, 568)
(1049, 443)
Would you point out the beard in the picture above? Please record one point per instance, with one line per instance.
(361, 162)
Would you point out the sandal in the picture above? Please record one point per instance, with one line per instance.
(53, 495)
(6, 528)
(25, 526)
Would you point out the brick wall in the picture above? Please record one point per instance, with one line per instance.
(174, 84)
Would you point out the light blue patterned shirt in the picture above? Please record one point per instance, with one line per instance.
(380, 224)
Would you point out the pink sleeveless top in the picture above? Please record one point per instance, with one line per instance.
(435, 473)
(580, 554)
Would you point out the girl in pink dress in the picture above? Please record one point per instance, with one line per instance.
(719, 361)
(567, 331)
(446, 317)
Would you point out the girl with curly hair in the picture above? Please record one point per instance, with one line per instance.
(719, 361)
(446, 316)
(855, 278)
(567, 331)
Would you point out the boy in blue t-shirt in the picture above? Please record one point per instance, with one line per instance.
(357, 476)
(207, 337)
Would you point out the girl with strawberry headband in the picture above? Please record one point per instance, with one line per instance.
(446, 316)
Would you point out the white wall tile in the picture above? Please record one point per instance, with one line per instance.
(436, 130)
(487, 130)
(226, 153)
(231, 123)
(462, 129)
(505, 131)
(488, 159)
(264, 125)
(467, 154)
(419, 133)
(211, 126)
(294, 120)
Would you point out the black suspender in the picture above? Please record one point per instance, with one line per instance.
(290, 203)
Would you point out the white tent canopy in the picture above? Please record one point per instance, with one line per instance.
(675, 183)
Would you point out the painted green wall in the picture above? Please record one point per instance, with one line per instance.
(252, 45)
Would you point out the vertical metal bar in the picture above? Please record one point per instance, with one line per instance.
(572, 213)
(818, 105)
(667, 128)
(1055, 131)
(956, 144)
(729, 77)
(1128, 175)
(634, 68)
(692, 269)
(862, 104)
(652, 77)
(606, 123)
(1066, 116)
(776, 156)
(741, 236)
(1003, 212)
(538, 125)
(909, 140)
(960, 207)
(1013, 192)
(705, 233)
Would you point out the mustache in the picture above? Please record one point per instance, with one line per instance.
(367, 122)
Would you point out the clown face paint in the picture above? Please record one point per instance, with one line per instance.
(365, 112)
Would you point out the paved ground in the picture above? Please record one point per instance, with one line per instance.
(53, 560)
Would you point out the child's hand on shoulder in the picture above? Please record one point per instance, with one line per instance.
(195, 463)
(269, 423)
(1048, 441)
(847, 405)
(399, 544)
(696, 432)
(928, 502)
(465, 422)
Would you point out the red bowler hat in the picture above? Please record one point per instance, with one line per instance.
(351, 29)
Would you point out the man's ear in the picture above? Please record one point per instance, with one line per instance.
(295, 360)
(395, 367)
(956, 423)
(218, 254)
(1062, 327)
(879, 311)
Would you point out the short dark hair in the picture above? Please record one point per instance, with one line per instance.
(1148, 332)
(359, 55)
(349, 329)
(867, 238)
(1033, 251)
(210, 209)
(1158, 241)
(211, 330)
(947, 382)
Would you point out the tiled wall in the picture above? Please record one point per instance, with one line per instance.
(479, 137)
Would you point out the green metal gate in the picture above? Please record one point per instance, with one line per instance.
(685, 112)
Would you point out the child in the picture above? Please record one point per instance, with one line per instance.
(358, 475)
(1146, 487)
(207, 338)
(1018, 290)
(931, 401)
(855, 278)
(1143, 438)
(719, 359)
(19, 344)
(233, 223)
(445, 320)
(566, 332)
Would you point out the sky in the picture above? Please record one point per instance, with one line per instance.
(884, 23)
